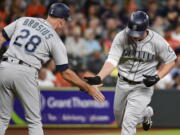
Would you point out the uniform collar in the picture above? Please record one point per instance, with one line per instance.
(45, 22)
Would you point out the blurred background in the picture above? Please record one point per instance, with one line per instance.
(88, 37)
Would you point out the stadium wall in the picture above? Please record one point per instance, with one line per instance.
(71, 108)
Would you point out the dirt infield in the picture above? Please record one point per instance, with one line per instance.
(57, 131)
(78, 131)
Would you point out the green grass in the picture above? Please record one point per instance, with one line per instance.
(152, 132)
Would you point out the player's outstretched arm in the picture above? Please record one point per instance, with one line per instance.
(105, 71)
(93, 91)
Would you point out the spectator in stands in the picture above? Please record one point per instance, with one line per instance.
(42, 80)
(158, 25)
(95, 62)
(175, 73)
(93, 11)
(175, 44)
(171, 11)
(82, 21)
(108, 41)
(2, 24)
(176, 78)
(109, 10)
(96, 22)
(95, 26)
(92, 44)
(50, 68)
(165, 82)
(176, 32)
(152, 10)
(172, 79)
(75, 44)
(91, 8)
(3, 15)
(36, 9)
(111, 24)
(3, 49)
(176, 69)
(128, 8)
(17, 10)
(170, 7)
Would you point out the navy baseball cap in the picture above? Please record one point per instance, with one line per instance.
(137, 24)
(59, 10)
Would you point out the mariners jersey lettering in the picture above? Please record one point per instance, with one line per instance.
(33, 40)
(140, 57)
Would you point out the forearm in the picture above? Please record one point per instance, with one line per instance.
(166, 68)
(106, 70)
(71, 77)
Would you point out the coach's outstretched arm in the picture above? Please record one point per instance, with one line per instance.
(93, 91)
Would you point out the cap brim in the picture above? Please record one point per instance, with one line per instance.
(135, 34)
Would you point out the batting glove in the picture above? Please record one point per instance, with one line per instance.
(93, 80)
(150, 80)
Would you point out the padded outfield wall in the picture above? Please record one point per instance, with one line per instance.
(69, 107)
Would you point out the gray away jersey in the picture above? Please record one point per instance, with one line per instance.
(140, 57)
(33, 40)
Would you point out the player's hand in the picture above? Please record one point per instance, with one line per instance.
(93, 80)
(150, 80)
(96, 93)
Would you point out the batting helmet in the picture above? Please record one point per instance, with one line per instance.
(138, 23)
(59, 10)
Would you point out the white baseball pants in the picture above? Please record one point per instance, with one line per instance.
(130, 103)
(18, 81)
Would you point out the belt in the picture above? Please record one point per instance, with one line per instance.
(14, 60)
(129, 81)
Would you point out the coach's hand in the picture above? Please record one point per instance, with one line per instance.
(93, 80)
(96, 93)
(150, 80)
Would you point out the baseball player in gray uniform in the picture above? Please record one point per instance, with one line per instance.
(32, 42)
(138, 50)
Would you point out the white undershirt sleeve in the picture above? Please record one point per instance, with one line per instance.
(114, 62)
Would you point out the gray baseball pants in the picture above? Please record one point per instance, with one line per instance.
(130, 103)
(19, 81)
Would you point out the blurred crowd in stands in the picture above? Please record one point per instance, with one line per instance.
(88, 36)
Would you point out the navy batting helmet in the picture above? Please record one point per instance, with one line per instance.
(137, 25)
(59, 10)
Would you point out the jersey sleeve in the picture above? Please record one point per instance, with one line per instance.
(9, 30)
(59, 54)
(116, 48)
(164, 51)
